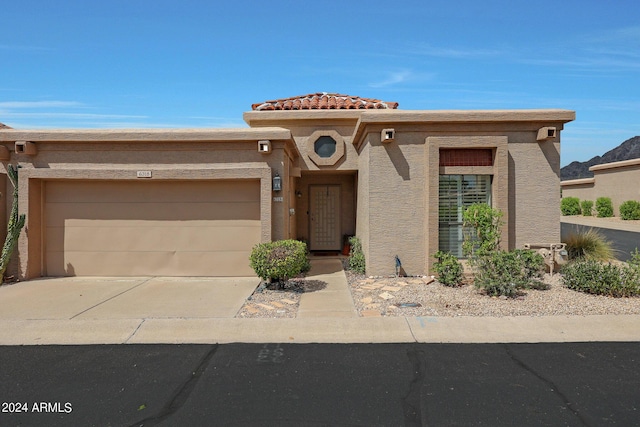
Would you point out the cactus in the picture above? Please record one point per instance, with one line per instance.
(16, 222)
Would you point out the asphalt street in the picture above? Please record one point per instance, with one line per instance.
(624, 242)
(561, 384)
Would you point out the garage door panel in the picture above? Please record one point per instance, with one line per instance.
(179, 229)
(162, 192)
(230, 263)
(58, 213)
(152, 238)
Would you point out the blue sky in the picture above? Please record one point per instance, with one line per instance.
(143, 63)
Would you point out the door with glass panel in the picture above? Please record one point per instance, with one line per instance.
(456, 193)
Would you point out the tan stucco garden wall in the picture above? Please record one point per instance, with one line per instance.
(617, 180)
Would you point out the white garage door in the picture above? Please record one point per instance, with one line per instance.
(151, 228)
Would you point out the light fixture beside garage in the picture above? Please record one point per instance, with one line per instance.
(277, 182)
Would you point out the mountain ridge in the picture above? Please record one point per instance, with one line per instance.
(629, 149)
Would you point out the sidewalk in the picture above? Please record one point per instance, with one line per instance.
(201, 310)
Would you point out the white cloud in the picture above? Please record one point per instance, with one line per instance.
(393, 79)
(448, 52)
(39, 104)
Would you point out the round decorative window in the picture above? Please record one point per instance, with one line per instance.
(325, 146)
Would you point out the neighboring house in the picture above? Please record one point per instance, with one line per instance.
(616, 180)
(193, 202)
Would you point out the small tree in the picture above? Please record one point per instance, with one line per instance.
(604, 207)
(481, 224)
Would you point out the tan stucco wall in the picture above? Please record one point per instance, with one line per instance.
(304, 126)
(534, 192)
(85, 155)
(618, 181)
(398, 184)
(396, 201)
(582, 190)
(391, 189)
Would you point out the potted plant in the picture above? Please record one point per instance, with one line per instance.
(346, 245)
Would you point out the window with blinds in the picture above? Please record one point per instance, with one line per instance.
(455, 194)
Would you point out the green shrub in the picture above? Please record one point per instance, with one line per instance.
(634, 261)
(594, 277)
(570, 206)
(481, 224)
(280, 260)
(630, 210)
(587, 207)
(506, 273)
(589, 244)
(356, 256)
(448, 268)
(604, 207)
(533, 264)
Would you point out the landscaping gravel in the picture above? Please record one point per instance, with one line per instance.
(435, 299)
(274, 303)
(400, 296)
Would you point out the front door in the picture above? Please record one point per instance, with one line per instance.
(324, 218)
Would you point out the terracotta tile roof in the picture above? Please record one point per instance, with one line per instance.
(323, 101)
(3, 126)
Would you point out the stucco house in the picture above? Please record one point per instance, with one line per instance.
(193, 202)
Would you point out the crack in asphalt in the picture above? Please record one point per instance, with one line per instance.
(554, 387)
(412, 403)
(181, 395)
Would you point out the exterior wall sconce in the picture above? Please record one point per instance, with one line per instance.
(388, 135)
(26, 147)
(277, 183)
(545, 133)
(298, 194)
(264, 146)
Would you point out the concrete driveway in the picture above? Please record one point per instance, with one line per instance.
(125, 297)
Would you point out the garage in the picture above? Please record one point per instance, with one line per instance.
(150, 228)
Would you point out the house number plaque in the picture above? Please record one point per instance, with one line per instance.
(143, 174)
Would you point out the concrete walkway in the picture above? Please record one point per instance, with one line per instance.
(612, 223)
(334, 300)
(201, 310)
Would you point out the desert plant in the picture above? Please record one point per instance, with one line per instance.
(630, 210)
(533, 264)
(587, 207)
(604, 207)
(278, 261)
(356, 256)
(16, 222)
(570, 206)
(593, 277)
(634, 261)
(506, 273)
(448, 268)
(589, 244)
(481, 224)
